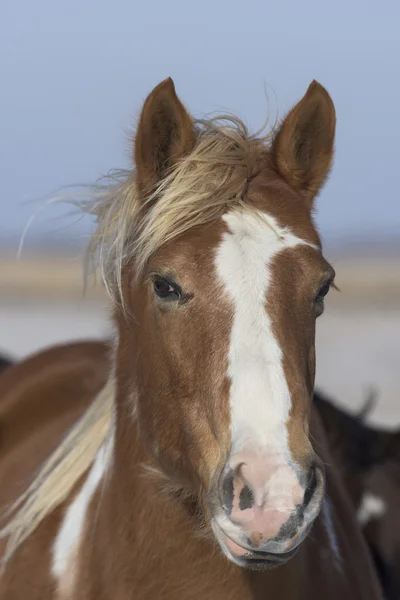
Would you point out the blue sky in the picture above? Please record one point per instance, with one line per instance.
(74, 74)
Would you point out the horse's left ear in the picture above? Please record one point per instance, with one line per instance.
(302, 150)
(165, 134)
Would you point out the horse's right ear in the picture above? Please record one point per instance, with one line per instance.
(165, 134)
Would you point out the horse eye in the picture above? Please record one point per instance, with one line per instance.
(165, 289)
(323, 291)
(319, 299)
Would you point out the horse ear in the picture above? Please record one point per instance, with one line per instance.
(303, 147)
(164, 135)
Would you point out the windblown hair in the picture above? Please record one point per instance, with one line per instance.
(197, 191)
(60, 472)
(200, 188)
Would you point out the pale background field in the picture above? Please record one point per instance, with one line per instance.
(358, 345)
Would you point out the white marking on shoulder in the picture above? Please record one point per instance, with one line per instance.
(259, 397)
(72, 526)
(371, 507)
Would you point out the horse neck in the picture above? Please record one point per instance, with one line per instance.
(133, 520)
(141, 541)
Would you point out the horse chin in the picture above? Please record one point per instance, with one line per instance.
(254, 560)
(264, 561)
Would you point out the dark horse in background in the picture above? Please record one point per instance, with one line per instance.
(368, 458)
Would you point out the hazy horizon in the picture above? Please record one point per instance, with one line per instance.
(74, 77)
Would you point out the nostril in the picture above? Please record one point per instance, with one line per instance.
(227, 492)
(246, 498)
(235, 492)
(311, 486)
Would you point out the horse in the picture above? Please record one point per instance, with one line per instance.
(182, 455)
(368, 458)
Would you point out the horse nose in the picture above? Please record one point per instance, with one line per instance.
(267, 498)
(312, 485)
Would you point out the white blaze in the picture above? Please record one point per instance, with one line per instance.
(260, 400)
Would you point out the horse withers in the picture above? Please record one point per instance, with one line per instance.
(193, 471)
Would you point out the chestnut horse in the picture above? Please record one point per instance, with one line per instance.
(186, 469)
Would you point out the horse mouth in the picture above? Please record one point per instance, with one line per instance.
(258, 561)
(252, 559)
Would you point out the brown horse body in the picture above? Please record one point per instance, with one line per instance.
(141, 542)
(197, 468)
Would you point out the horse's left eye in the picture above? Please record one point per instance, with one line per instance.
(319, 299)
(323, 291)
(165, 289)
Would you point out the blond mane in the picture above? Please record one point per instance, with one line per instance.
(202, 186)
(212, 178)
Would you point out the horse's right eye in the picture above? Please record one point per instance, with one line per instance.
(165, 289)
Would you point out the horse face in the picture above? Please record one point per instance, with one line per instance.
(221, 343)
